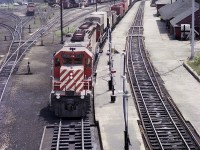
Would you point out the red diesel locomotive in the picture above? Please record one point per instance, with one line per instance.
(30, 11)
(72, 71)
(72, 81)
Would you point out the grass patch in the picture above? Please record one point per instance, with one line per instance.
(58, 33)
(195, 64)
(66, 30)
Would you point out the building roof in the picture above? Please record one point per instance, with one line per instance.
(183, 15)
(165, 1)
(170, 11)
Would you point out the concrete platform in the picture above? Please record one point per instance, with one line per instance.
(110, 115)
(167, 56)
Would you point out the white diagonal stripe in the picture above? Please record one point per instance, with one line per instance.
(80, 87)
(81, 78)
(64, 74)
(71, 82)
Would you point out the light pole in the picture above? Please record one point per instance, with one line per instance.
(96, 5)
(110, 82)
(192, 43)
(61, 22)
(125, 108)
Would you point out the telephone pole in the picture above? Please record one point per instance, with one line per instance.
(61, 22)
(125, 108)
(111, 70)
(192, 42)
(96, 5)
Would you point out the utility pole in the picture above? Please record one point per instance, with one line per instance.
(111, 81)
(61, 22)
(192, 43)
(96, 5)
(125, 108)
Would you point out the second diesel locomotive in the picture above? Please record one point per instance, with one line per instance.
(72, 70)
(30, 9)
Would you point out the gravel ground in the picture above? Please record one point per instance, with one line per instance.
(24, 107)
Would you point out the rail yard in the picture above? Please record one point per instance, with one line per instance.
(96, 89)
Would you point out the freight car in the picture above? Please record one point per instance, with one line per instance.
(72, 70)
(30, 9)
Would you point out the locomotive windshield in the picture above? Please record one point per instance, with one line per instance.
(67, 61)
(77, 60)
(72, 59)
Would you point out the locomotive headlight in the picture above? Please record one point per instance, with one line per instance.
(58, 96)
(82, 96)
(71, 75)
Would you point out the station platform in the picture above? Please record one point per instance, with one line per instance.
(110, 115)
(167, 56)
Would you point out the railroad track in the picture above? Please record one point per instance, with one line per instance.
(74, 135)
(164, 128)
(44, 14)
(16, 33)
(11, 58)
(79, 13)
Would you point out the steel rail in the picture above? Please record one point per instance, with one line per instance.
(43, 17)
(82, 134)
(9, 28)
(16, 33)
(42, 140)
(59, 133)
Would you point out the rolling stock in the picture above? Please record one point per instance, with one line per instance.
(72, 70)
(30, 9)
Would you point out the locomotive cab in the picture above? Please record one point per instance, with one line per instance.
(72, 81)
